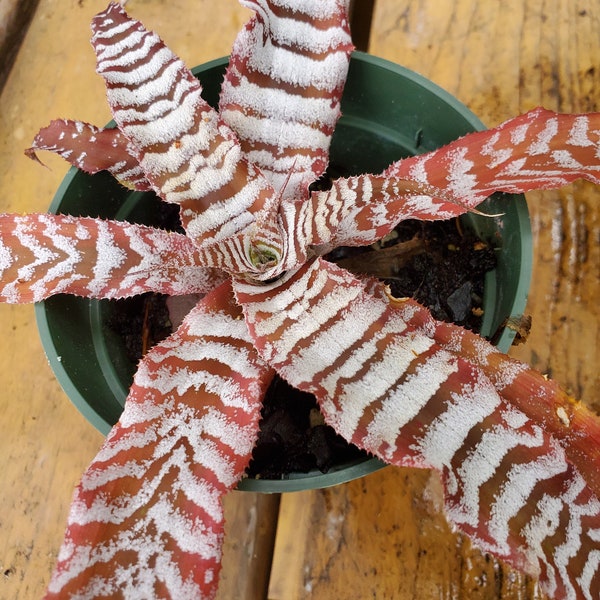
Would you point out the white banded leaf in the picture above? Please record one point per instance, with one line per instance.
(146, 520)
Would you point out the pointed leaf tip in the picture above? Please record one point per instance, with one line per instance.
(91, 149)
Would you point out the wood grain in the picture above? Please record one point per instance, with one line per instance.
(382, 537)
(15, 16)
(250, 537)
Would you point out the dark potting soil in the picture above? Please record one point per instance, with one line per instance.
(439, 264)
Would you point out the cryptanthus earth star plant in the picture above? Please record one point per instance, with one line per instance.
(519, 458)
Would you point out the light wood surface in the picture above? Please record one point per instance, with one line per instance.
(15, 15)
(384, 536)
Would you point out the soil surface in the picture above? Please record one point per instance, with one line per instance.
(437, 263)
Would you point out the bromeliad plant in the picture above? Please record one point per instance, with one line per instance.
(520, 460)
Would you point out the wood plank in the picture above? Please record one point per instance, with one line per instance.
(15, 16)
(385, 536)
(251, 522)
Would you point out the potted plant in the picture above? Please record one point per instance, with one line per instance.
(91, 362)
(517, 455)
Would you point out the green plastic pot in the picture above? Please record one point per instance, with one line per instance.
(388, 112)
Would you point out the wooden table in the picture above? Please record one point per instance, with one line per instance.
(384, 536)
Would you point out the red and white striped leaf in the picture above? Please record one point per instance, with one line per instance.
(147, 520)
(189, 155)
(283, 87)
(540, 398)
(516, 488)
(45, 254)
(91, 149)
(349, 213)
(538, 150)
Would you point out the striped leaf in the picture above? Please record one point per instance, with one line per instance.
(538, 150)
(283, 87)
(189, 155)
(91, 149)
(45, 254)
(519, 489)
(146, 520)
(540, 398)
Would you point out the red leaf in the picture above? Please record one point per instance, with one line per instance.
(190, 156)
(518, 486)
(282, 95)
(91, 149)
(538, 150)
(146, 520)
(44, 254)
